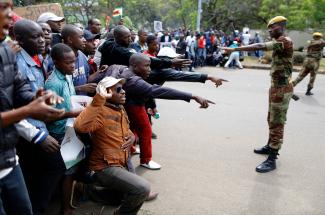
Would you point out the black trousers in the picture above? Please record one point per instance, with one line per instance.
(42, 172)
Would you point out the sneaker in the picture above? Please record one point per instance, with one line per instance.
(154, 136)
(151, 165)
(295, 97)
(137, 150)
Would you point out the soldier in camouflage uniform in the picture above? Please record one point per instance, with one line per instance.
(281, 89)
(311, 63)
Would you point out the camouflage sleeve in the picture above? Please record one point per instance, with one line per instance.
(315, 43)
(274, 45)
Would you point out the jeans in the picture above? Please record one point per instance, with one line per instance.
(131, 188)
(14, 196)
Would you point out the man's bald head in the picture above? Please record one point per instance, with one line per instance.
(140, 65)
(73, 37)
(24, 26)
(122, 35)
(68, 31)
(30, 36)
(137, 58)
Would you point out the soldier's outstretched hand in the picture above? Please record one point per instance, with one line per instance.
(202, 101)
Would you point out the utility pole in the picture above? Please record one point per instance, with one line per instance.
(198, 18)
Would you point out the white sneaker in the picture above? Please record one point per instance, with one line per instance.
(137, 151)
(151, 165)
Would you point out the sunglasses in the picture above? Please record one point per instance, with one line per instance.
(119, 89)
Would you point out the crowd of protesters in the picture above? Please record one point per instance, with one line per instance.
(205, 48)
(46, 63)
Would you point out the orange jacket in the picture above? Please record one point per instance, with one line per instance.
(108, 126)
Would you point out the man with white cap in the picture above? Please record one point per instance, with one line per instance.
(138, 92)
(56, 24)
(107, 122)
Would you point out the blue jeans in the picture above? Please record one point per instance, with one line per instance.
(14, 198)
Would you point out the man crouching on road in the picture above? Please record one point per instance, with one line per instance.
(108, 124)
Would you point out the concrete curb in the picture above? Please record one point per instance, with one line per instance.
(268, 67)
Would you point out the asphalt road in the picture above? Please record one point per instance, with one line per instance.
(208, 164)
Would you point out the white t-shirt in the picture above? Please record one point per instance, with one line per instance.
(246, 38)
(190, 42)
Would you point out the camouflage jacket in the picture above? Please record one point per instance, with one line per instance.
(314, 49)
(281, 68)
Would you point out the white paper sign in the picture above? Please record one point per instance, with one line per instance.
(157, 25)
(72, 149)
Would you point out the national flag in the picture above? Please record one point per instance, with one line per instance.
(118, 12)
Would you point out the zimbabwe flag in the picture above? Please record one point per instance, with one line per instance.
(118, 12)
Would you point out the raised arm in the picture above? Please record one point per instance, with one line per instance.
(91, 118)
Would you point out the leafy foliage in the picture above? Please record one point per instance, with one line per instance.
(220, 14)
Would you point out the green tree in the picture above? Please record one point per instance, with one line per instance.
(318, 13)
(298, 12)
(231, 14)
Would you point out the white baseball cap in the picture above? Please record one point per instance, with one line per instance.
(48, 16)
(110, 81)
(167, 52)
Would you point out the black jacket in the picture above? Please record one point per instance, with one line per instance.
(113, 53)
(14, 92)
(138, 91)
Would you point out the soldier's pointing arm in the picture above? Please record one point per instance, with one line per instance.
(253, 47)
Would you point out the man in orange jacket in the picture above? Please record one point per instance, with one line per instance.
(108, 124)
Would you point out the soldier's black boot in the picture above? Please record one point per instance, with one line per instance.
(309, 93)
(295, 97)
(269, 164)
(265, 150)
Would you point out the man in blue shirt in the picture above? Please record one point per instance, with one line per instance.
(73, 37)
(141, 44)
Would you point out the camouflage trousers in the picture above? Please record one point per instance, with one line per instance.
(311, 66)
(279, 98)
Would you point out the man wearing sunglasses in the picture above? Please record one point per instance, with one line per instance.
(107, 122)
(138, 91)
(281, 89)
